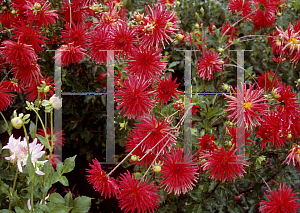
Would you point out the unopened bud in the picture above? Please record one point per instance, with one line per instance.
(134, 158)
(17, 122)
(55, 102)
(179, 36)
(37, 6)
(14, 12)
(156, 169)
(220, 50)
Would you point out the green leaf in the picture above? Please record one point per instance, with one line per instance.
(81, 204)
(19, 210)
(58, 208)
(56, 198)
(43, 141)
(68, 199)
(32, 130)
(69, 164)
(63, 180)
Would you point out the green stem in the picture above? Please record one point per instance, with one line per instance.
(14, 186)
(8, 130)
(51, 149)
(31, 169)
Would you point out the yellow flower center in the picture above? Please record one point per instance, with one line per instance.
(247, 105)
(295, 41)
(298, 151)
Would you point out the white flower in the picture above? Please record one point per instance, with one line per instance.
(19, 153)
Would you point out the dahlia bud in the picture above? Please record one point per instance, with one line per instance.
(156, 169)
(226, 87)
(138, 17)
(55, 102)
(134, 158)
(14, 12)
(279, 14)
(177, 3)
(213, 27)
(179, 36)
(220, 50)
(37, 6)
(275, 94)
(46, 89)
(298, 81)
(289, 136)
(17, 122)
(178, 105)
(3, 8)
(197, 26)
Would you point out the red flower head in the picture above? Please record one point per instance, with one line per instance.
(208, 65)
(145, 62)
(285, 200)
(179, 173)
(243, 6)
(77, 35)
(273, 129)
(134, 97)
(290, 42)
(264, 15)
(276, 42)
(207, 143)
(249, 108)
(68, 54)
(264, 80)
(43, 16)
(12, 86)
(140, 151)
(229, 31)
(122, 37)
(29, 35)
(293, 154)
(137, 196)
(289, 101)
(166, 89)
(32, 90)
(101, 182)
(58, 139)
(223, 164)
(153, 133)
(158, 25)
(27, 74)
(7, 19)
(97, 44)
(79, 11)
(17, 53)
(232, 131)
(5, 98)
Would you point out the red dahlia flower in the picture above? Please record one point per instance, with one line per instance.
(293, 154)
(29, 35)
(27, 74)
(274, 129)
(68, 54)
(264, 15)
(276, 42)
(97, 44)
(137, 196)
(77, 35)
(43, 16)
(285, 200)
(79, 11)
(12, 85)
(229, 31)
(166, 89)
(159, 134)
(208, 65)
(101, 182)
(158, 25)
(145, 62)
(134, 97)
(122, 37)
(17, 53)
(223, 164)
(232, 131)
(243, 6)
(7, 19)
(249, 108)
(179, 173)
(207, 143)
(5, 98)
(264, 80)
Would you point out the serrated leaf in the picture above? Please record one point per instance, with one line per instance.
(56, 198)
(81, 204)
(69, 164)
